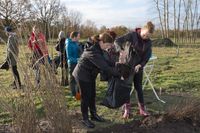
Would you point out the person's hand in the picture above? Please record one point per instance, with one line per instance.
(122, 56)
(137, 68)
(34, 41)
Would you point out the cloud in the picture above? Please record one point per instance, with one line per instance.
(111, 13)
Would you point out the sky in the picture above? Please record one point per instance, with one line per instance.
(130, 13)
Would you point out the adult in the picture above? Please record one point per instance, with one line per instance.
(136, 48)
(73, 54)
(85, 73)
(61, 59)
(12, 55)
(37, 45)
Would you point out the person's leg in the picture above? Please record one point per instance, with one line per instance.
(56, 61)
(37, 76)
(64, 73)
(138, 86)
(85, 88)
(139, 92)
(92, 104)
(72, 82)
(15, 72)
(126, 108)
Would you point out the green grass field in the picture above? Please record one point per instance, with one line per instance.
(173, 77)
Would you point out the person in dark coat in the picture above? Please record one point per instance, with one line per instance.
(136, 48)
(12, 55)
(85, 73)
(111, 57)
(61, 59)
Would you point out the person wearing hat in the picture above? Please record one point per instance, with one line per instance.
(12, 55)
(85, 73)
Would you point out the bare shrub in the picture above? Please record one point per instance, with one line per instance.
(187, 109)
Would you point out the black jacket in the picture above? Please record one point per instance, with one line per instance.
(61, 46)
(139, 50)
(90, 64)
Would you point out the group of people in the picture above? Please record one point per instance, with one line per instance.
(101, 54)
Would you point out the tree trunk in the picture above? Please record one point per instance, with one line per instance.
(175, 40)
(160, 18)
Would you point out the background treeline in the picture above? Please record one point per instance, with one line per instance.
(176, 19)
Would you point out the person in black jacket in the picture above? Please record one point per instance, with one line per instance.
(85, 73)
(61, 59)
(136, 49)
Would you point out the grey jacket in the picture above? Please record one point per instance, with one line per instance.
(90, 64)
(12, 49)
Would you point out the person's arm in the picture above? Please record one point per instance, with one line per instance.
(99, 61)
(146, 56)
(120, 41)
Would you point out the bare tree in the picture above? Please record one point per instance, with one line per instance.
(167, 18)
(75, 19)
(178, 19)
(159, 15)
(175, 21)
(46, 11)
(14, 11)
(88, 29)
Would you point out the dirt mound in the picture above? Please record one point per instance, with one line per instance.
(166, 42)
(154, 124)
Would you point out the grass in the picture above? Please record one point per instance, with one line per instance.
(173, 75)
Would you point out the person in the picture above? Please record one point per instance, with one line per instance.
(73, 54)
(61, 59)
(37, 45)
(137, 42)
(12, 56)
(85, 73)
(110, 55)
(91, 41)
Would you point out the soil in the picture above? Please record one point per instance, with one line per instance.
(153, 124)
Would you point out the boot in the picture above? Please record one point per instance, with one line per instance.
(88, 123)
(96, 117)
(143, 110)
(126, 110)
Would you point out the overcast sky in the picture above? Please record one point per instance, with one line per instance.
(130, 13)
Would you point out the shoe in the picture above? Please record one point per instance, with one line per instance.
(142, 110)
(96, 117)
(88, 123)
(13, 85)
(5, 66)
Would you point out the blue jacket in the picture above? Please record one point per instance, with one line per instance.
(72, 51)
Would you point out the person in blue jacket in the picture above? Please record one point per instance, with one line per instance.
(73, 54)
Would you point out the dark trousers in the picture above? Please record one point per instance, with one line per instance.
(88, 94)
(72, 81)
(137, 80)
(15, 72)
(60, 60)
